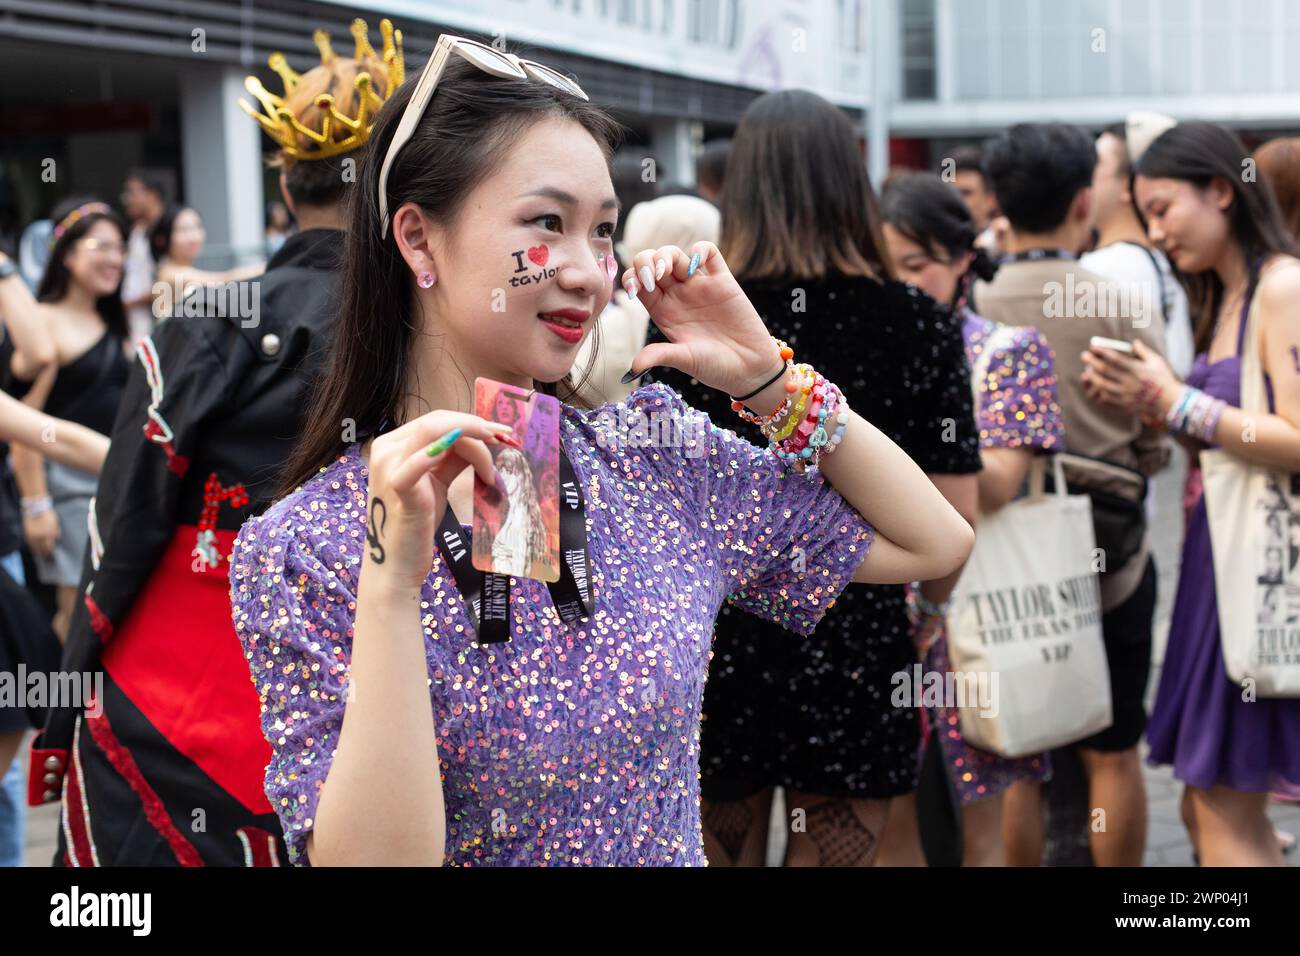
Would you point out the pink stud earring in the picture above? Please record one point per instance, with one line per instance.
(425, 280)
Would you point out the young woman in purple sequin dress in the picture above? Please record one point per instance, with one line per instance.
(397, 737)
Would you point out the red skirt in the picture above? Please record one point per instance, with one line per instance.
(177, 658)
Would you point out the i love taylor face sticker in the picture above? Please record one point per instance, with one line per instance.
(538, 256)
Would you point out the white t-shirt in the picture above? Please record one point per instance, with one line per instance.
(1132, 264)
(137, 279)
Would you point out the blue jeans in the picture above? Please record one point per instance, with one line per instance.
(12, 790)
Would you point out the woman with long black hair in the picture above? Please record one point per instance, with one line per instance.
(79, 299)
(1227, 239)
(397, 737)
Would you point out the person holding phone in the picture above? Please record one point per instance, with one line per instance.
(1227, 239)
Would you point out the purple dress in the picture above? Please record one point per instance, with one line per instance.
(571, 744)
(1017, 406)
(1200, 723)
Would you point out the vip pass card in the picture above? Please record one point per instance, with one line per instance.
(517, 523)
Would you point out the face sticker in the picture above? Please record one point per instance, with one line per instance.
(611, 267)
(524, 274)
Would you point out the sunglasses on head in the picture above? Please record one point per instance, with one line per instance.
(486, 58)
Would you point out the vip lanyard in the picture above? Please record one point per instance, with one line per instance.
(1036, 255)
(487, 595)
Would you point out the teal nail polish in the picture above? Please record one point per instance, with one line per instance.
(445, 442)
(695, 264)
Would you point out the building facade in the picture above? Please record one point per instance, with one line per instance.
(89, 90)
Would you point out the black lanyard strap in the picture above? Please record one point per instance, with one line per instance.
(487, 595)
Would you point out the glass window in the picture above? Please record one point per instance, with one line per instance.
(917, 49)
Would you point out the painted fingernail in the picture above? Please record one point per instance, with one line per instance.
(631, 288)
(510, 440)
(695, 264)
(445, 442)
(661, 267)
(647, 278)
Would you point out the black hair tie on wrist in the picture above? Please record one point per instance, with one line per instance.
(744, 398)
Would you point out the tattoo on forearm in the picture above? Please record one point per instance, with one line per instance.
(372, 532)
(1295, 357)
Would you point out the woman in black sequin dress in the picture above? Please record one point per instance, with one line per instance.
(801, 231)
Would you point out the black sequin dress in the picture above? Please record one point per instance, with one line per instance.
(814, 714)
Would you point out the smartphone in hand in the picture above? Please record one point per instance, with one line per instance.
(1101, 342)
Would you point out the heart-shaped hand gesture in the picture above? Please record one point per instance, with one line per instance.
(713, 332)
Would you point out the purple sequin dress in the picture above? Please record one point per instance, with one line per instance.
(1200, 723)
(571, 744)
(1016, 407)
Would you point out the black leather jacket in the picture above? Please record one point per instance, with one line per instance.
(232, 392)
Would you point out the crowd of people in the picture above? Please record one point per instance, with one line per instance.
(195, 498)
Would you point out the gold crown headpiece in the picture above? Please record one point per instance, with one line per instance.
(339, 133)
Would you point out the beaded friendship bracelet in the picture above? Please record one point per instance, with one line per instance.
(928, 607)
(798, 431)
(811, 441)
(35, 507)
(807, 400)
(796, 416)
(1195, 414)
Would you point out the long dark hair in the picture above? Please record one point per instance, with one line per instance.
(1199, 153)
(160, 233)
(932, 214)
(56, 278)
(470, 123)
(798, 203)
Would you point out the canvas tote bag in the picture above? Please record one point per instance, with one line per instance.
(1256, 570)
(1026, 622)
